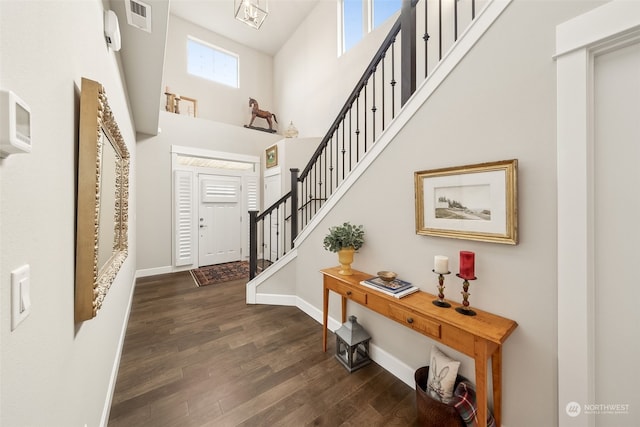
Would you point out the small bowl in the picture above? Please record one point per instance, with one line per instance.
(387, 276)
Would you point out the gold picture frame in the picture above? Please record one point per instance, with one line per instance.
(473, 202)
(271, 156)
(103, 201)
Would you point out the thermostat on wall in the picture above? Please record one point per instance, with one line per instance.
(15, 124)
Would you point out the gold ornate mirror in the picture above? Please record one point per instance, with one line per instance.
(103, 201)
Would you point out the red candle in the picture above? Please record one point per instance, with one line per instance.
(467, 268)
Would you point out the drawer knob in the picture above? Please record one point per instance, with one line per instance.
(349, 293)
(410, 320)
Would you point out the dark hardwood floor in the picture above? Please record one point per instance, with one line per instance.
(203, 357)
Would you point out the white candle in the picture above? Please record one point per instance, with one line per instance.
(441, 264)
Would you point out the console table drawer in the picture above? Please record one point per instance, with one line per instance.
(350, 293)
(415, 321)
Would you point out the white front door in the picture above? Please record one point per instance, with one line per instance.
(220, 233)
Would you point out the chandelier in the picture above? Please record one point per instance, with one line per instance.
(251, 12)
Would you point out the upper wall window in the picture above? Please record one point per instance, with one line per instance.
(359, 17)
(212, 63)
(384, 9)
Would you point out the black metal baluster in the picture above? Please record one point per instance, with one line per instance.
(315, 188)
(270, 242)
(351, 134)
(308, 207)
(439, 30)
(301, 208)
(324, 154)
(312, 189)
(342, 152)
(393, 79)
(373, 106)
(358, 122)
(344, 139)
(455, 21)
(382, 86)
(364, 109)
(312, 196)
(264, 239)
(473, 9)
(284, 227)
(321, 183)
(278, 225)
(330, 166)
(335, 140)
(426, 37)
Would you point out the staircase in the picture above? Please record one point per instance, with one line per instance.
(407, 57)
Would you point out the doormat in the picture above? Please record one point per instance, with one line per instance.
(219, 273)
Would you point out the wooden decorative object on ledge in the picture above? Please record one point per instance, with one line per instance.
(262, 114)
(173, 104)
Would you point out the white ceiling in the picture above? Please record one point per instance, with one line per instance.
(143, 54)
(218, 16)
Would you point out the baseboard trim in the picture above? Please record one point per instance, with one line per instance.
(275, 299)
(252, 286)
(158, 270)
(116, 363)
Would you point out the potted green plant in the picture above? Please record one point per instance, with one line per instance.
(344, 239)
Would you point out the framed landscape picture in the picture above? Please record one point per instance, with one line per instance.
(474, 202)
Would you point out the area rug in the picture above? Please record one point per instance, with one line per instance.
(219, 273)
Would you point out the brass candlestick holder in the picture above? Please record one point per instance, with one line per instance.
(465, 297)
(440, 302)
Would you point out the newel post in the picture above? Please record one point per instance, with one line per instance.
(253, 244)
(294, 204)
(408, 49)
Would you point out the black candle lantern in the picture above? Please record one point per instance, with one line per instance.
(352, 345)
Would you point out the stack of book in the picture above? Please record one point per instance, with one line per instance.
(396, 288)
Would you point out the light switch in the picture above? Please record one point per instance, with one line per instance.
(20, 295)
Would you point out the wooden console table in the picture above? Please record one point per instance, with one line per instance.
(480, 337)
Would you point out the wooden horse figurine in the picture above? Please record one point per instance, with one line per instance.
(257, 112)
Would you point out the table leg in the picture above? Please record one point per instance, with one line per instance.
(344, 309)
(325, 318)
(496, 372)
(481, 356)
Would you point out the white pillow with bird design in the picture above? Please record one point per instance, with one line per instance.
(442, 375)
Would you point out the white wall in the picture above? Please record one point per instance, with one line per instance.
(154, 176)
(311, 83)
(55, 373)
(216, 101)
(293, 153)
(499, 103)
